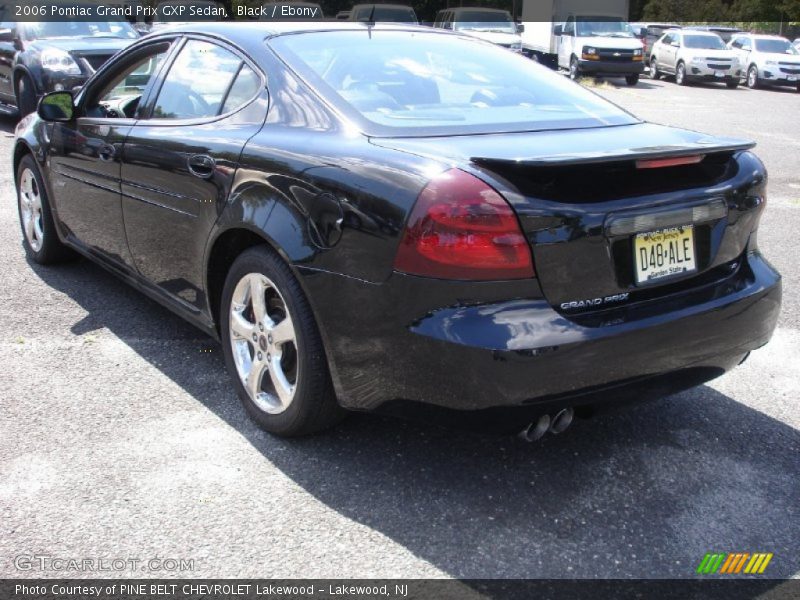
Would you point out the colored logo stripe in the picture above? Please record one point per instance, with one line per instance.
(734, 563)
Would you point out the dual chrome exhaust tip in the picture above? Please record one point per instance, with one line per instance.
(556, 424)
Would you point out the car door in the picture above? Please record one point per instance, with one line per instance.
(179, 162)
(743, 46)
(565, 42)
(668, 53)
(85, 154)
(8, 49)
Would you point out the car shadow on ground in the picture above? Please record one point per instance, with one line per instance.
(642, 492)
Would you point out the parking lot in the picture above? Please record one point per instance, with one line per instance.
(121, 437)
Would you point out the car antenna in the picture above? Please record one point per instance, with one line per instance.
(371, 21)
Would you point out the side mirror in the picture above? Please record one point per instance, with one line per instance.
(6, 35)
(520, 28)
(56, 106)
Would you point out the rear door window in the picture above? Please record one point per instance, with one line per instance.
(197, 83)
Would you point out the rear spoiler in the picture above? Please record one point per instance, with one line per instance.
(633, 154)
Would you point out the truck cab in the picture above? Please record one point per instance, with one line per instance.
(599, 45)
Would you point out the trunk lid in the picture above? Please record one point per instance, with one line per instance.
(582, 199)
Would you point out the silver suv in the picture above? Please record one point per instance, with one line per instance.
(767, 60)
(694, 56)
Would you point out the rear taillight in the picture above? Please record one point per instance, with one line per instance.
(660, 163)
(460, 228)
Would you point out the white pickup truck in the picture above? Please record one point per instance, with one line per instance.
(582, 37)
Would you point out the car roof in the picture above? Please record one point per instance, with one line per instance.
(700, 32)
(765, 36)
(243, 33)
(378, 4)
(475, 9)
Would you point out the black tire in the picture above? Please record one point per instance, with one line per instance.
(314, 406)
(50, 249)
(732, 85)
(26, 96)
(574, 69)
(654, 73)
(753, 80)
(680, 74)
(632, 79)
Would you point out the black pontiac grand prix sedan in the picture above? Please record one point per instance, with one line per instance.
(371, 216)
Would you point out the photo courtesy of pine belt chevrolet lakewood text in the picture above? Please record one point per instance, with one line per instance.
(372, 217)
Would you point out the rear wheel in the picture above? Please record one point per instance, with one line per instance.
(654, 74)
(26, 96)
(753, 80)
(39, 236)
(632, 79)
(680, 74)
(273, 349)
(574, 69)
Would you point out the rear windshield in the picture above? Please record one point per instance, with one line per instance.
(404, 83)
(704, 42)
(776, 47)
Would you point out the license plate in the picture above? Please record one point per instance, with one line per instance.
(719, 73)
(664, 253)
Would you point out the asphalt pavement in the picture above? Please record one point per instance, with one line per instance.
(121, 438)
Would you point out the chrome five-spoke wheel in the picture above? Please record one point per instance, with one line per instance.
(264, 343)
(30, 209)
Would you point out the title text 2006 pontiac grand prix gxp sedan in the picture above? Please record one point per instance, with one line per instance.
(374, 215)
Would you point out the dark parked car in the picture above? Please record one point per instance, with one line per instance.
(36, 58)
(650, 33)
(370, 223)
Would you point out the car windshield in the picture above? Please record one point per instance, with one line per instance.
(485, 21)
(74, 29)
(605, 26)
(704, 42)
(776, 47)
(413, 83)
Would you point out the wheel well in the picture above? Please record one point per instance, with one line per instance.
(18, 75)
(226, 249)
(20, 150)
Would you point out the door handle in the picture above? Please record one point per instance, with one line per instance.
(201, 165)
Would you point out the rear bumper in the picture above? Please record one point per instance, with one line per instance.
(605, 67)
(476, 355)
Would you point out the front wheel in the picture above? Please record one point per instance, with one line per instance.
(39, 236)
(680, 74)
(753, 81)
(273, 349)
(654, 74)
(574, 69)
(632, 79)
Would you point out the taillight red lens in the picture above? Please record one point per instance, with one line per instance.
(460, 228)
